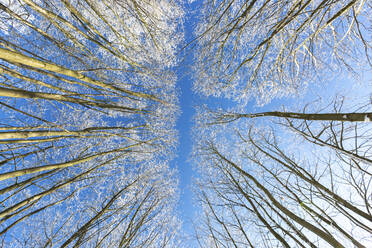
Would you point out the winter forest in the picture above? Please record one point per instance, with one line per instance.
(98, 99)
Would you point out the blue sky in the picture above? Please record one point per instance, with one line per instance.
(187, 101)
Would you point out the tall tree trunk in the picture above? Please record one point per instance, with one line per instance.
(220, 118)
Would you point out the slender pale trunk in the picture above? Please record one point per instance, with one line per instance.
(24, 183)
(318, 117)
(18, 58)
(18, 93)
(37, 133)
(32, 170)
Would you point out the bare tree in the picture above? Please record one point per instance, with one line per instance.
(223, 117)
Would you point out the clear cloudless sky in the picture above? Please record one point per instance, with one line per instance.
(187, 100)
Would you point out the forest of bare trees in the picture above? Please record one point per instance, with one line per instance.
(89, 101)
